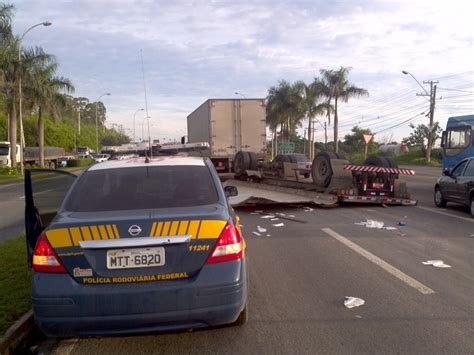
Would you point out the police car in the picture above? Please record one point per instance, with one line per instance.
(132, 246)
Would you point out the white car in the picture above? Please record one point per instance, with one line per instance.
(100, 158)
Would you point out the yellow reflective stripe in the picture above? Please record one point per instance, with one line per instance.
(159, 228)
(86, 233)
(193, 228)
(75, 235)
(95, 233)
(183, 226)
(211, 229)
(59, 238)
(166, 228)
(174, 228)
(103, 232)
(110, 231)
(152, 231)
(117, 235)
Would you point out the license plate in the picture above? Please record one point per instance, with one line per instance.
(378, 185)
(134, 258)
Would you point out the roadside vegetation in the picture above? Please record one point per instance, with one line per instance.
(15, 282)
(293, 106)
(51, 115)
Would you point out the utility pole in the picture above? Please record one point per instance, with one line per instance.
(432, 95)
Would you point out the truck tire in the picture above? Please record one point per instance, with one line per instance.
(253, 161)
(241, 163)
(392, 163)
(377, 161)
(321, 168)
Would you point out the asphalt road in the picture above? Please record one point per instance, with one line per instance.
(300, 274)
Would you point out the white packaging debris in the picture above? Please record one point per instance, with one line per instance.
(274, 219)
(259, 211)
(390, 228)
(436, 263)
(269, 235)
(371, 224)
(254, 213)
(257, 234)
(268, 216)
(278, 225)
(261, 229)
(352, 302)
(291, 215)
(308, 209)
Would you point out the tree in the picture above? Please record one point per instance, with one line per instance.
(43, 88)
(355, 141)
(419, 135)
(9, 68)
(335, 85)
(283, 109)
(311, 107)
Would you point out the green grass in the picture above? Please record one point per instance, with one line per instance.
(13, 178)
(15, 282)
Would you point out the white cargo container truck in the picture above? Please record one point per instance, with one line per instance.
(229, 126)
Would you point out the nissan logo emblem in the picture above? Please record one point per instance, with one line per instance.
(134, 230)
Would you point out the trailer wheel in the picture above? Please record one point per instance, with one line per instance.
(321, 168)
(253, 161)
(377, 161)
(392, 163)
(241, 163)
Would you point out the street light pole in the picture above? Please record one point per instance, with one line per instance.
(421, 86)
(96, 122)
(20, 98)
(238, 93)
(141, 109)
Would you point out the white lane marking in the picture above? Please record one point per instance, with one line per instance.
(446, 214)
(38, 193)
(379, 262)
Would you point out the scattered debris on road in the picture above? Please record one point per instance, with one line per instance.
(254, 213)
(370, 223)
(307, 209)
(261, 229)
(436, 263)
(268, 216)
(278, 225)
(257, 234)
(269, 235)
(402, 223)
(274, 219)
(259, 211)
(352, 302)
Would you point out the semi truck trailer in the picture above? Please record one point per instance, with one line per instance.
(229, 126)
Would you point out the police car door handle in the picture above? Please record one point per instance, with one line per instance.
(134, 242)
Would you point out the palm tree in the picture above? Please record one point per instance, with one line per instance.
(8, 71)
(43, 88)
(336, 86)
(311, 106)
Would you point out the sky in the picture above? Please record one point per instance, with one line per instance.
(195, 50)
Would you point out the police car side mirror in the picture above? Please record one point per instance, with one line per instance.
(230, 191)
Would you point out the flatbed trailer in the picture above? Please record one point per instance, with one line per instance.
(333, 181)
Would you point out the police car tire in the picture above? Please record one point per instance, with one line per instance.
(472, 205)
(243, 316)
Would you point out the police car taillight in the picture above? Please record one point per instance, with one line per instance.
(44, 257)
(228, 247)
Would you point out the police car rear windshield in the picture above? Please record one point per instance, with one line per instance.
(142, 188)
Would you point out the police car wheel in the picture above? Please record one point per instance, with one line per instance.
(472, 206)
(243, 316)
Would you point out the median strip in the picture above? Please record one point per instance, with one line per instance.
(379, 262)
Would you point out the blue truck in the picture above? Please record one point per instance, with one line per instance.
(457, 140)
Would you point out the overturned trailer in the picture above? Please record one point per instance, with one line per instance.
(330, 180)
